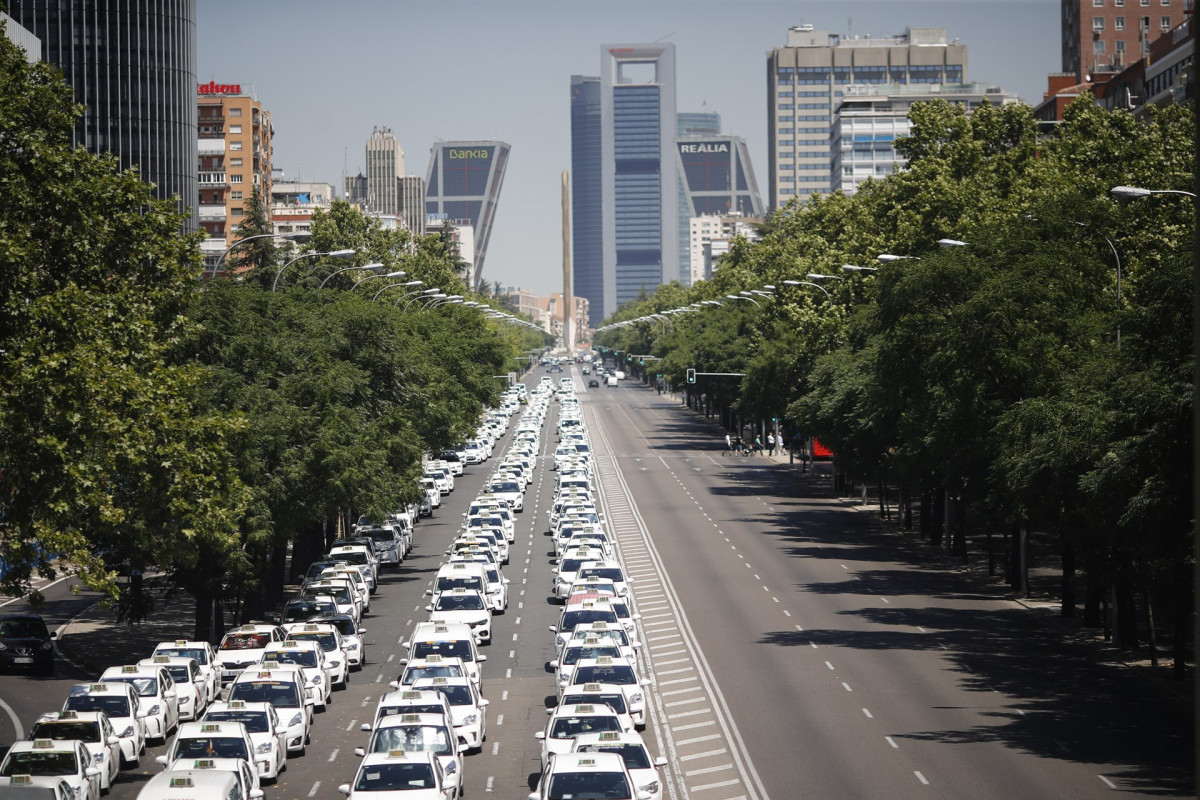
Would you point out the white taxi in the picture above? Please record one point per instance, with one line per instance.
(400, 775)
(267, 733)
(468, 708)
(633, 751)
(284, 689)
(45, 758)
(158, 708)
(206, 658)
(568, 721)
(94, 730)
(191, 691)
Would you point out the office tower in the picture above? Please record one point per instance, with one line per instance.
(234, 159)
(385, 164)
(23, 38)
(412, 203)
(697, 123)
(869, 119)
(355, 188)
(807, 79)
(587, 242)
(1105, 36)
(132, 64)
(716, 179)
(639, 189)
(463, 186)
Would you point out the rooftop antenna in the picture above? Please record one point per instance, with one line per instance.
(659, 39)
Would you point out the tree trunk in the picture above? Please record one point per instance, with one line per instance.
(1182, 615)
(939, 518)
(926, 517)
(1019, 578)
(959, 540)
(1092, 599)
(1067, 592)
(1151, 634)
(1126, 628)
(202, 629)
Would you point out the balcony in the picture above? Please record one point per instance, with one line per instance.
(212, 179)
(212, 213)
(211, 147)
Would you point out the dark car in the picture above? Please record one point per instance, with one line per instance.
(593, 384)
(305, 610)
(25, 644)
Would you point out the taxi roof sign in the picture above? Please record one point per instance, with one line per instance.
(182, 782)
(410, 718)
(210, 727)
(43, 744)
(130, 669)
(204, 763)
(609, 736)
(180, 642)
(397, 754)
(410, 696)
(97, 687)
(237, 703)
(21, 780)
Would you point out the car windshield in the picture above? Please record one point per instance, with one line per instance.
(179, 673)
(327, 641)
(588, 786)
(571, 564)
(395, 778)
(634, 754)
(414, 738)
(387, 537)
(245, 641)
(23, 629)
(584, 616)
(340, 594)
(457, 694)
(318, 567)
(449, 648)
(84, 731)
(615, 701)
(197, 653)
(255, 721)
(411, 708)
(301, 658)
(441, 671)
(468, 582)
(280, 694)
(615, 634)
(619, 674)
(609, 573)
(301, 612)
(457, 602)
(345, 626)
(574, 654)
(354, 557)
(113, 705)
(570, 727)
(506, 486)
(145, 687)
(212, 747)
(31, 762)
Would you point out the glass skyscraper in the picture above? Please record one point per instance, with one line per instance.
(463, 186)
(587, 230)
(132, 64)
(639, 189)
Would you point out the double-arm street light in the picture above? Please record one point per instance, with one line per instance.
(240, 242)
(375, 267)
(330, 254)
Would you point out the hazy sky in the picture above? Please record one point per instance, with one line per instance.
(437, 69)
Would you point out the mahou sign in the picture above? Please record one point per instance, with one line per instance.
(212, 87)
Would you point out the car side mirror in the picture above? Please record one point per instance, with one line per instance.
(553, 629)
(484, 702)
(660, 762)
(429, 592)
(429, 608)
(281, 730)
(53, 634)
(360, 752)
(256, 794)
(361, 631)
(114, 740)
(554, 664)
(394, 684)
(366, 726)
(161, 760)
(462, 747)
(540, 736)
(344, 789)
(481, 658)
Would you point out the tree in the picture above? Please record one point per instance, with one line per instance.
(261, 254)
(109, 460)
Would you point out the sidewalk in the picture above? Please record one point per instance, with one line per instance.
(94, 640)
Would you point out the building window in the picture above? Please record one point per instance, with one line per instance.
(235, 128)
(235, 112)
(1119, 3)
(1097, 24)
(235, 145)
(785, 106)
(237, 212)
(1166, 2)
(1165, 23)
(235, 195)
(1145, 3)
(1120, 45)
(235, 162)
(1098, 3)
(1145, 24)
(1098, 47)
(235, 178)
(1119, 23)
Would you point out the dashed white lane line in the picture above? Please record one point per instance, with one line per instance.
(353, 722)
(491, 783)
(495, 748)
(500, 719)
(315, 787)
(846, 686)
(829, 665)
(892, 742)
(697, 739)
(708, 770)
(921, 778)
(333, 756)
(693, 726)
(1107, 782)
(704, 786)
(867, 713)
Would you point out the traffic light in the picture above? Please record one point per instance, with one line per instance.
(641, 360)
(691, 376)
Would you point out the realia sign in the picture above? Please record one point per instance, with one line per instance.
(212, 87)
(705, 147)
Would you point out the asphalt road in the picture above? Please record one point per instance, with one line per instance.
(797, 651)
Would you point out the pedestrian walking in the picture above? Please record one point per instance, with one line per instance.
(758, 450)
(770, 444)
(728, 444)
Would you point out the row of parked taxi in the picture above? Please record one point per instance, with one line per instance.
(435, 713)
(591, 745)
(232, 715)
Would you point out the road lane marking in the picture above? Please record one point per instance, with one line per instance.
(892, 742)
(704, 786)
(707, 770)
(705, 754)
(829, 665)
(1107, 782)
(333, 756)
(313, 791)
(697, 739)
(921, 778)
(350, 727)
(846, 686)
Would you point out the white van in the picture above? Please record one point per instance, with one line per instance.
(612, 381)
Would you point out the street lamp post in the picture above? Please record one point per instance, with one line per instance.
(887, 258)
(855, 268)
(1137, 192)
(425, 293)
(369, 267)
(952, 243)
(810, 283)
(394, 285)
(240, 242)
(330, 254)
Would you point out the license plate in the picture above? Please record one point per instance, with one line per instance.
(22, 660)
